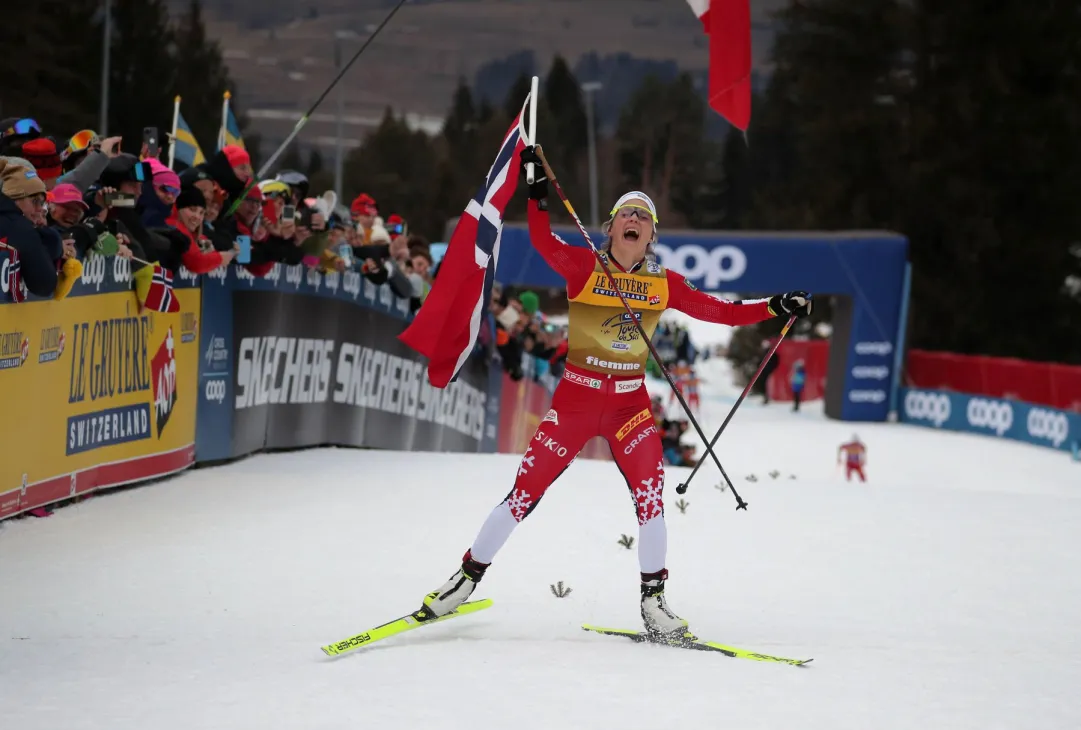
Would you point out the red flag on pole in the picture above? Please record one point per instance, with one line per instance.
(728, 25)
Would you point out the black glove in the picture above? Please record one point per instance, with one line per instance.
(539, 189)
(798, 303)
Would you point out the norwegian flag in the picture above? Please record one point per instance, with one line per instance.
(449, 322)
(15, 280)
(159, 295)
(728, 25)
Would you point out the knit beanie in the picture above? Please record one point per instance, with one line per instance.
(190, 197)
(19, 181)
(163, 175)
(42, 154)
(530, 302)
(236, 155)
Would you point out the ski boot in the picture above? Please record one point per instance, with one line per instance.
(455, 591)
(661, 624)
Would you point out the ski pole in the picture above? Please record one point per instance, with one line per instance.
(740, 504)
(682, 488)
(307, 115)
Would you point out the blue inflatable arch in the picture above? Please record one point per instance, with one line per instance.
(867, 271)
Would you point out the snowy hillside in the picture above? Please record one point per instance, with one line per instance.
(944, 593)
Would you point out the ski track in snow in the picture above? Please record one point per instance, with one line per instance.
(944, 593)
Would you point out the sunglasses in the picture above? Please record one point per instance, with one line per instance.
(169, 190)
(397, 228)
(23, 126)
(641, 213)
(81, 141)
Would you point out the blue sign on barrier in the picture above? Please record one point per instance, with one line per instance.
(866, 270)
(1011, 419)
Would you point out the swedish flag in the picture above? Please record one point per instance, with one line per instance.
(187, 148)
(231, 130)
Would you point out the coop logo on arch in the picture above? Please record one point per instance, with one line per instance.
(990, 414)
(1048, 425)
(923, 406)
(712, 265)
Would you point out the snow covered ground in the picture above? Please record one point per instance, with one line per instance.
(944, 593)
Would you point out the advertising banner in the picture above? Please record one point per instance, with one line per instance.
(995, 417)
(1050, 384)
(301, 359)
(97, 393)
(863, 272)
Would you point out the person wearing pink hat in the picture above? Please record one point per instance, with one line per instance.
(66, 205)
(157, 198)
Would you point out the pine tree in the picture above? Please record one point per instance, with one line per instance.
(142, 70)
(202, 80)
(50, 66)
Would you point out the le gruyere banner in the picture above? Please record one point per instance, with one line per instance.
(96, 394)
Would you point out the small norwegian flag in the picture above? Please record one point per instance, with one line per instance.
(159, 291)
(15, 279)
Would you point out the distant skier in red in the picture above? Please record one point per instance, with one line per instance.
(854, 454)
(602, 391)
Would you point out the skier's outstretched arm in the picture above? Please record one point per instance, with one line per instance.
(685, 298)
(572, 263)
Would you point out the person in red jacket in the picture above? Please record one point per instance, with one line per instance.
(200, 257)
(602, 391)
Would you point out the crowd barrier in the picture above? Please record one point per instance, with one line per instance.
(1048, 384)
(101, 395)
(996, 417)
(96, 393)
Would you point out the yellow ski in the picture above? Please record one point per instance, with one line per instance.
(400, 625)
(690, 641)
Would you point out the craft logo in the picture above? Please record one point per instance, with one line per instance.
(634, 289)
(638, 419)
(624, 325)
(163, 372)
(646, 433)
(52, 344)
(189, 327)
(551, 417)
(14, 349)
(109, 358)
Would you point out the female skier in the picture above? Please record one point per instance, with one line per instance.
(602, 391)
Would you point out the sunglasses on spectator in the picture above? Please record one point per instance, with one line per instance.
(23, 126)
(397, 228)
(169, 190)
(81, 141)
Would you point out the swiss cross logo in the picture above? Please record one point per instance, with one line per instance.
(163, 373)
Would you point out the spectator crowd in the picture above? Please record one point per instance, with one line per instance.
(62, 199)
